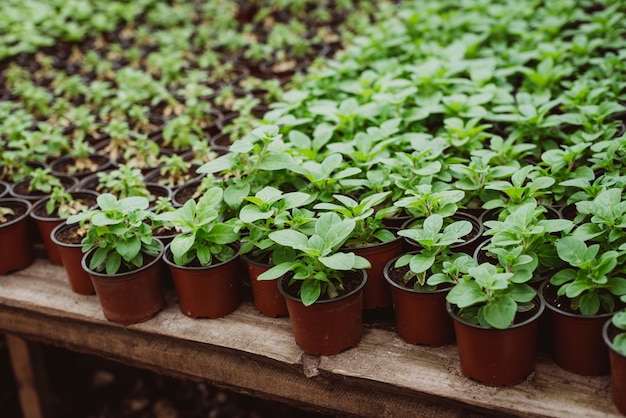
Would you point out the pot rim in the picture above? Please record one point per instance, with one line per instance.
(354, 291)
(42, 202)
(16, 201)
(57, 229)
(167, 252)
(118, 276)
(389, 266)
(534, 317)
(605, 336)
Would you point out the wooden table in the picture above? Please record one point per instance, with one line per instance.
(253, 354)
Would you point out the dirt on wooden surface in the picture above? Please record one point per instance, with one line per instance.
(84, 386)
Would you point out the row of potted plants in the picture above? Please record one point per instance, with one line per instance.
(512, 112)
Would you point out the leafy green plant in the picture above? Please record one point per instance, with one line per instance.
(267, 211)
(435, 241)
(42, 180)
(204, 238)
(368, 215)
(120, 231)
(528, 228)
(592, 282)
(527, 184)
(63, 204)
(123, 182)
(175, 171)
(490, 297)
(425, 200)
(254, 161)
(314, 258)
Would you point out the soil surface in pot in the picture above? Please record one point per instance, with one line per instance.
(18, 210)
(563, 303)
(397, 275)
(87, 200)
(73, 235)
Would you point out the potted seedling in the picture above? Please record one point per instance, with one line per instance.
(322, 284)
(16, 246)
(174, 172)
(581, 297)
(54, 210)
(420, 280)
(614, 335)
(39, 184)
(123, 258)
(203, 259)
(369, 239)
(269, 210)
(492, 309)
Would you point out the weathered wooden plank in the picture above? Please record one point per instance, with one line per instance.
(32, 385)
(250, 352)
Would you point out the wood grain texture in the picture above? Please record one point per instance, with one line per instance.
(32, 385)
(251, 353)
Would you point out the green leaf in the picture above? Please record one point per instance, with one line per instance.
(251, 213)
(277, 271)
(113, 263)
(98, 258)
(132, 203)
(310, 291)
(129, 249)
(571, 250)
(235, 194)
(619, 344)
(589, 304)
(466, 293)
(333, 229)
(181, 244)
(222, 163)
(340, 261)
(222, 234)
(290, 238)
(420, 263)
(500, 312)
(106, 201)
(275, 161)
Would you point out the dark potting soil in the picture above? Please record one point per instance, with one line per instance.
(84, 386)
(18, 210)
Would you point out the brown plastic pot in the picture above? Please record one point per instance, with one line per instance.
(206, 292)
(4, 189)
(497, 357)
(327, 327)
(575, 341)
(71, 255)
(421, 316)
(16, 247)
(376, 293)
(618, 367)
(46, 224)
(129, 297)
(267, 298)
